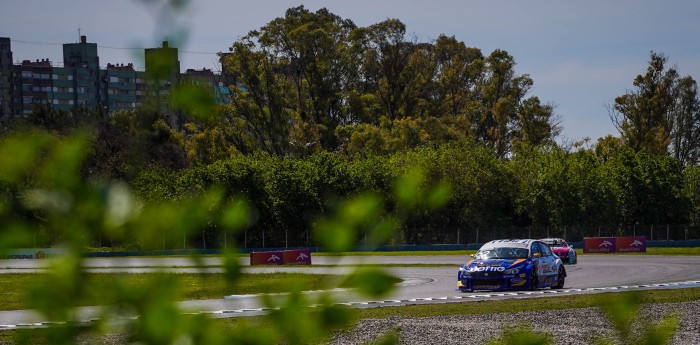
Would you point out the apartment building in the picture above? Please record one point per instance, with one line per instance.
(80, 82)
(6, 92)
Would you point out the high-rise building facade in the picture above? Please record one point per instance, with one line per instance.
(80, 83)
(6, 89)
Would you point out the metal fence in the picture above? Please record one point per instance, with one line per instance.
(292, 238)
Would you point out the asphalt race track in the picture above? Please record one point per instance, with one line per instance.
(593, 273)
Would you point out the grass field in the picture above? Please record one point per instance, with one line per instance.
(15, 287)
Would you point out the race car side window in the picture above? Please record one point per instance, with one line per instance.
(546, 251)
(535, 248)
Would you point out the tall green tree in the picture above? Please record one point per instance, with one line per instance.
(684, 121)
(388, 68)
(648, 188)
(642, 115)
(536, 123)
(264, 103)
(501, 93)
(310, 47)
(459, 69)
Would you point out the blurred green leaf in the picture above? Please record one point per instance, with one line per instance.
(232, 268)
(193, 99)
(362, 209)
(237, 215)
(383, 231)
(407, 189)
(522, 335)
(335, 236)
(389, 338)
(660, 333)
(25, 149)
(373, 282)
(64, 161)
(15, 234)
(439, 195)
(621, 310)
(624, 312)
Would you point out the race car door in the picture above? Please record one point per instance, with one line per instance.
(547, 267)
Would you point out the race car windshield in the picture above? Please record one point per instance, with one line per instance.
(502, 253)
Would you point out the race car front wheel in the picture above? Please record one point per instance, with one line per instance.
(534, 282)
(561, 278)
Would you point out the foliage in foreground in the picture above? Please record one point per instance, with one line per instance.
(623, 312)
(44, 192)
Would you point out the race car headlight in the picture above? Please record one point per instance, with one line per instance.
(514, 270)
(464, 272)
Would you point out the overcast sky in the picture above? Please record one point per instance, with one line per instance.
(580, 54)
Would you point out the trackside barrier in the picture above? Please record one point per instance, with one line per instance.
(297, 257)
(631, 244)
(599, 244)
(266, 258)
(32, 253)
(281, 257)
(614, 244)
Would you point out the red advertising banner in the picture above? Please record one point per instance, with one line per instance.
(266, 258)
(599, 245)
(631, 244)
(297, 257)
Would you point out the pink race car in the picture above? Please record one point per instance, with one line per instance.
(563, 250)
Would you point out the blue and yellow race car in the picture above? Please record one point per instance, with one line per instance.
(512, 265)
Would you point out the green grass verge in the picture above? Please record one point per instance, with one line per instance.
(529, 304)
(16, 287)
(444, 309)
(501, 306)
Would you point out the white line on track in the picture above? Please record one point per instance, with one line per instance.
(427, 300)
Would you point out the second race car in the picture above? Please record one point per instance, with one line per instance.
(512, 265)
(563, 250)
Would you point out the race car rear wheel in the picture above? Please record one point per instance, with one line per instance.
(561, 278)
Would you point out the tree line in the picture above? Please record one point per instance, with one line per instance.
(323, 110)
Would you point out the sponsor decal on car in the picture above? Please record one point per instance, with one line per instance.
(486, 269)
(517, 282)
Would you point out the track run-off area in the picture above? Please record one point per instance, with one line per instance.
(432, 280)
